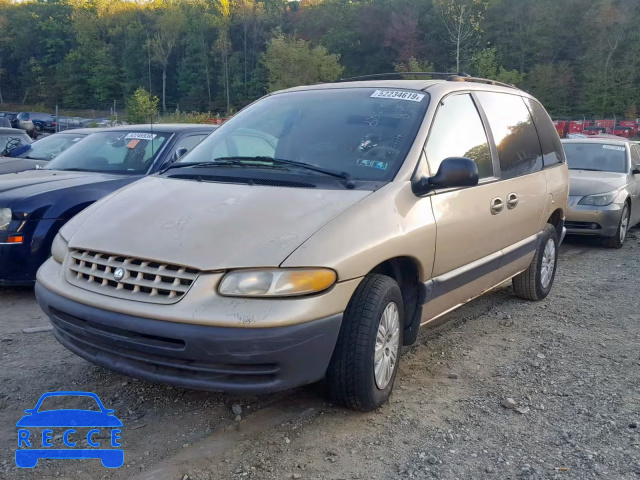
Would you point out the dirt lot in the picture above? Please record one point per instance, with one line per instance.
(571, 363)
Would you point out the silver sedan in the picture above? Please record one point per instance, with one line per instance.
(604, 190)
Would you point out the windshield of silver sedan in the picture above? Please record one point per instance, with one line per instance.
(354, 133)
(118, 152)
(596, 157)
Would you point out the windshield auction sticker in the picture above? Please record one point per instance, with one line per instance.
(613, 147)
(79, 428)
(398, 95)
(140, 136)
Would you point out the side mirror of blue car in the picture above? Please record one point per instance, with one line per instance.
(29, 410)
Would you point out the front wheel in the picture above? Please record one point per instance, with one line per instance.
(364, 365)
(536, 281)
(617, 241)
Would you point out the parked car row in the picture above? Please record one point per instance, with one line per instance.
(307, 238)
(36, 123)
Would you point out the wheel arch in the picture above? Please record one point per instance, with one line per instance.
(557, 220)
(406, 271)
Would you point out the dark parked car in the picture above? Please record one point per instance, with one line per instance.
(41, 152)
(69, 123)
(34, 204)
(42, 122)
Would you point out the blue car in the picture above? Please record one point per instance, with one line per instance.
(34, 204)
(32, 447)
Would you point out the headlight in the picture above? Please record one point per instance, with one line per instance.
(59, 248)
(276, 283)
(599, 200)
(5, 218)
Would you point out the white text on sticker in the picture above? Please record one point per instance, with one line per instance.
(398, 95)
(613, 147)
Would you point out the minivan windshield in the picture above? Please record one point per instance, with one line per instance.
(118, 152)
(363, 132)
(597, 157)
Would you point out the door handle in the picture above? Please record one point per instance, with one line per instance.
(512, 201)
(497, 205)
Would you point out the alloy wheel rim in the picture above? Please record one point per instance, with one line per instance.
(624, 225)
(387, 343)
(548, 263)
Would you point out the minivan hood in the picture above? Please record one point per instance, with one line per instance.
(208, 226)
(584, 182)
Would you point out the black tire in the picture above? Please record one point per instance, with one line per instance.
(528, 285)
(350, 377)
(38, 127)
(617, 241)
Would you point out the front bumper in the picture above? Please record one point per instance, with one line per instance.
(591, 220)
(228, 359)
(18, 264)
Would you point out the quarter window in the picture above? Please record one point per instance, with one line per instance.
(457, 131)
(552, 151)
(514, 133)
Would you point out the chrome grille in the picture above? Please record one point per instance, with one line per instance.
(143, 280)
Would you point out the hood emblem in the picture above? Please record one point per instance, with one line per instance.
(118, 274)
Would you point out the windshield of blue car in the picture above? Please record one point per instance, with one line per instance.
(68, 402)
(596, 157)
(11, 141)
(127, 153)
(51, 146)
(364, 132)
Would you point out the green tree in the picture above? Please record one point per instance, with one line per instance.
(291, 61)
(485, 65)
(461, 19)
(142, 107)
(169, 26)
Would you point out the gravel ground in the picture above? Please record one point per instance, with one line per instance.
(570, 364)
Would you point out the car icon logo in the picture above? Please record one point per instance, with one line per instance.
(118, 274)
(69, 433)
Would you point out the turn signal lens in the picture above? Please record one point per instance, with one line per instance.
(16, 239)
(275, 283)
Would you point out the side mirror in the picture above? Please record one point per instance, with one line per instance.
(181, 152)
(636, 169)
(454, 172)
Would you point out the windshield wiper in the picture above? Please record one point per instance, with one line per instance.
(249, 161)
(281, 161)
(587, 169)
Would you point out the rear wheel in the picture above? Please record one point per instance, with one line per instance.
(363, 368)
(536, 281)
(621, 234)
(38, 127)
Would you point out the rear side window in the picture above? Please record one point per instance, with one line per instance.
(552, 151)
(514, 133)
(23, 116)
(635, 155)
(457, 131)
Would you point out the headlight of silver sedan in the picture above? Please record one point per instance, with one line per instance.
(599, 200)
(59, 248)
(280, 282)
(5, 218)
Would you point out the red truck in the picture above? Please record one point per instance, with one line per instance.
(562, 127)
(577, 126)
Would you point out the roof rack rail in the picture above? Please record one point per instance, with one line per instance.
(448, 76)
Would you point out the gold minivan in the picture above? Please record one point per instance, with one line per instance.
(311, 236)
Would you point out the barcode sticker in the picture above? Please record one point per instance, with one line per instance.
(140, 136)
(398, 95)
